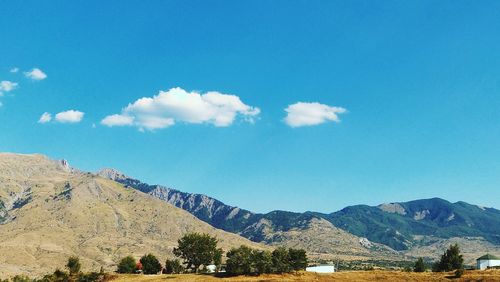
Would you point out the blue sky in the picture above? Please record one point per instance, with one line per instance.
(419, 82)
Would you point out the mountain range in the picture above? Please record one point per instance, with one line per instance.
(49, 211)
(423, 227)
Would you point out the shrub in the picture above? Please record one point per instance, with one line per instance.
(420, 265)
(73, 265)
(57, 276)
(90, 277)
(197, 249)
(127, 265)
(459, 272)
(21, 278)
(172, 267)
(150, 264)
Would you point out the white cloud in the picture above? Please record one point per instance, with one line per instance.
(7, 86)
(178, 105)
(45, 117)
(70, 116)
(36, 74)
(307, 114)
(117, 120)
(14, 70)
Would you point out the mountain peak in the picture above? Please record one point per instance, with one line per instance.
(111, 173)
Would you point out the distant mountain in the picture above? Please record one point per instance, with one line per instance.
(397, 224)
(49, 211)
(376, 230)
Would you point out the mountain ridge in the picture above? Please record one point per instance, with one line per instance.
(51, 212)
(402, 226)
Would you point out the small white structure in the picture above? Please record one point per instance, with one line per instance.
(321, 269)
(487, 261)
(211, 268)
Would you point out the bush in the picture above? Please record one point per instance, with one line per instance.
(90, 277)
(281, 260)
(173, 267)
(73, 265)
(127, 265)
(459, 272)
(198, 249)
(420, 265)
(298, 259)
(150, 264)
(21, 278)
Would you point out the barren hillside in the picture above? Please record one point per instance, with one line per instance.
(49, 211)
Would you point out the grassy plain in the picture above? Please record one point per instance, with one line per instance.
(362, 276)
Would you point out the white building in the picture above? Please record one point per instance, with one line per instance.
(211, 268)
(487, 261)
(321, 269)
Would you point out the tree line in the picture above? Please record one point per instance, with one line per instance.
(199, 251)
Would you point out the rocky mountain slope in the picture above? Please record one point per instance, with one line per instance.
(315, 234)
(49, 211)
(422, 227)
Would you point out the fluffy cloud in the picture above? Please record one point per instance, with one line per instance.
(70, 116)
(36, 74)
(178, 105)
(117, 120)
(14, 70)
(45, 117)
(7, 86)
(307, 114)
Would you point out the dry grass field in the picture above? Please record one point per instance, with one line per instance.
(362, 276)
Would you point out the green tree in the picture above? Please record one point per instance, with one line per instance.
(73, 265)
(281, 260)
(197, 249)
(420, 265)
(218, 259)
(450, 260)
(262, 261)
(150, 264)
(298, 259)
(127, 265)
(239, 261)
(173, 266)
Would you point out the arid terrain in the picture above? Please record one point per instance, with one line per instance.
(51, 212)
(361, 276)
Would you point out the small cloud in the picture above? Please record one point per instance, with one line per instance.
(7, 86)
(179, 105)
(117, 120)
(36, 74)
(308, 114)
(70, 116)
(14, 70)
(45, 117)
